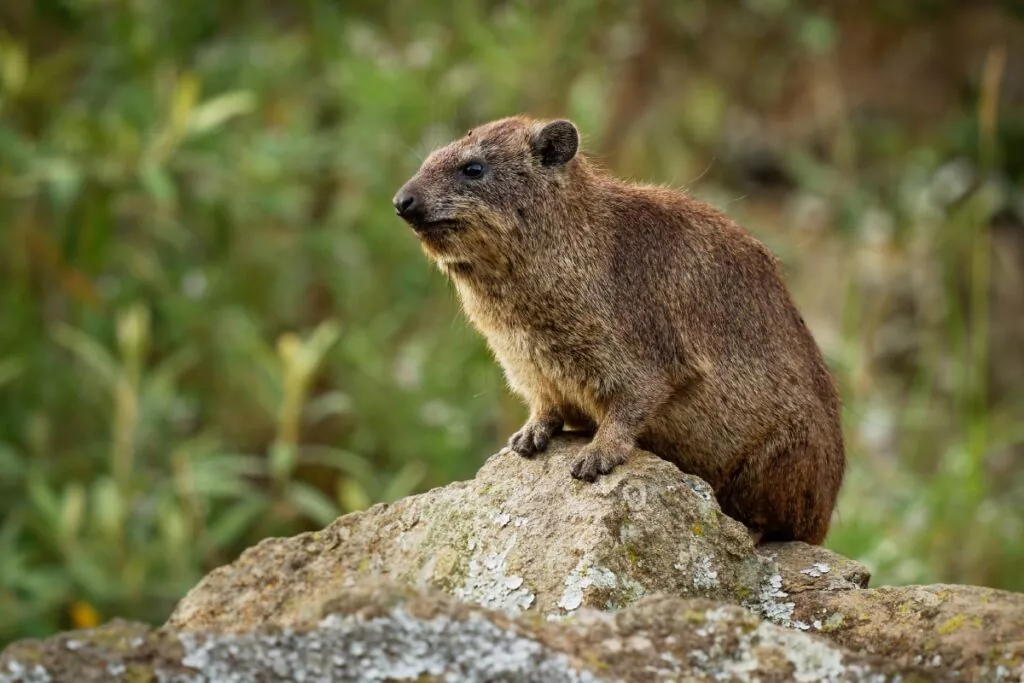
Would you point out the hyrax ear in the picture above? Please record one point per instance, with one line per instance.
(556, 143)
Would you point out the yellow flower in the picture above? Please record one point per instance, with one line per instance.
(83, 615)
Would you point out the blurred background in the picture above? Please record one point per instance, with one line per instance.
(214, 329)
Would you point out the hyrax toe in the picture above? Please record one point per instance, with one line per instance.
(596, 461)
(533, 438)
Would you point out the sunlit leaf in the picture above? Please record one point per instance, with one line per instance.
(328, 404)
(283, 457)
(216, 111)
(353, 496)
(133, 329)
(13, 67)
(63, 178)
(173, 526)
(108, 508)
(158, 183)
(185, 96)
(72, 510)
(320, 342)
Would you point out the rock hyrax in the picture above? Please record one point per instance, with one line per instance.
(637, 313)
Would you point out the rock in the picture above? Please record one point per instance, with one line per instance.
(960, 628)
(806, 567)
(969, 629)
(382, 632)
(527, 574)
(522, 535)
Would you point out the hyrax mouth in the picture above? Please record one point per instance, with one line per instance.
(433, 229)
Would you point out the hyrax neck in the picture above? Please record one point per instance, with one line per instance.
(563, 275)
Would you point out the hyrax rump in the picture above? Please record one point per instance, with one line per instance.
(638, 313)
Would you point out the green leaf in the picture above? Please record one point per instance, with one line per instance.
(225, 475)
(64, 178)
(218, 110)
(12, 465)
(229, 528)
(330, 404)
(13, 66)
(10, 369)
(44, 500)
(282, 460)
(158, 184)
(72, 510)
(352, 496)
(89, 352)
(323, 338)
(339, 459)
(91, 574)
(405, 481)
(173, 527)
(108, 507)
(312, 502)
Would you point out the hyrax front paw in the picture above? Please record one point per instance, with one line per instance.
(597, 459)
(533, 437)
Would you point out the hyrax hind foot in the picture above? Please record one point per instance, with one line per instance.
(534, 436)
(598, 459)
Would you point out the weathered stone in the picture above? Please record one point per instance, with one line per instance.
(381, 632)
(527, 574)
(806, 567)
(522, 535)
(969, 629)
(959, 628)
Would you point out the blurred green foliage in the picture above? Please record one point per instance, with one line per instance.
(215, 330)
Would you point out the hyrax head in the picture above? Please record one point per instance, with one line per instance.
(477, 195)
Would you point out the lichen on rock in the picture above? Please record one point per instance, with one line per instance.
(526, 574)
(477, 539)
(384, 632)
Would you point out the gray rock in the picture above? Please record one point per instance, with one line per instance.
(382, 632)
(526, 574)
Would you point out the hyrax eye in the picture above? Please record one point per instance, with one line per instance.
(473, 169)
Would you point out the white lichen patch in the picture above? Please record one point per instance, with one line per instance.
(700, 567)
(1003, 674)
(735, 653)
(816, 570)
(488, 583)
(19, 673)
(812, 660)
(701, 488)
(768, 604)
(705, 577)
(582, 578)
(397, 646)
(502, 519)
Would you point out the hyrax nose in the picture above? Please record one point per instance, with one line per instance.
(406, 204)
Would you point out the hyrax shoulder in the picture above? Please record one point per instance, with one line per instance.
(636, 312)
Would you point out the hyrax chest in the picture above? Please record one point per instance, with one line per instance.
(546, 349)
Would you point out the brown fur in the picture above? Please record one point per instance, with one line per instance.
(639, 313)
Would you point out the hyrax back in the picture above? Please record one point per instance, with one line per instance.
(639, 313)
